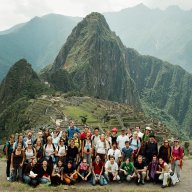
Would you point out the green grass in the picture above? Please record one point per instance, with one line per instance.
(76, 111)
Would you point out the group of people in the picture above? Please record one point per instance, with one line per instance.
(69, 156)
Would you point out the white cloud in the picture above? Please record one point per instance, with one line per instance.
(18, 11)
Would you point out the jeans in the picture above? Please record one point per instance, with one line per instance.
(175, 167)
(87, 157)
(8, 167)
(43, 181)
(102, 180)
(30, 181)
(17, 172)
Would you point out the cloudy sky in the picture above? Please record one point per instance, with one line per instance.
(17, 11)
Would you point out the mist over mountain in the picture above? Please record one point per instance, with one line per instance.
(163, 34)
(38, 40)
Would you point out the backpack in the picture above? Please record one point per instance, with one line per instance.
(4, 148)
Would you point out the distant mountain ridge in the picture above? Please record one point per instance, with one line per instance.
(38, 40)
(165, 34)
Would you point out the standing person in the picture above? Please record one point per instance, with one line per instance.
(111, 170)
(150, 149)
(87, 149)
(39, 136)
(95, 138)
(135, 144)
(56, 138)
(44, 173)
(73, 153)
(84, 170)
(177, 158)
(114, 135)
(164, 172)
(17, 159)
(29, 152)
(121, 139)
(97, 172)
(28, 138)
(140, 170)
(126, 170)
(127, 151)
(8, 152)
(114, 151)
(72, 129)
(146, 135)
(65, 138)
(39, 151)
(70, 174)
(102, 147)
(49, 152)
(165, 151)
(77, 141)
(86, 131)
(108, 138)
(129, 133)
(46, 134)
(21, 141)
(31, 173)
(57, 173)
(140, 134)
(61, 152)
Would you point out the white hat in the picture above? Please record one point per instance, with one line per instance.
(148, 128)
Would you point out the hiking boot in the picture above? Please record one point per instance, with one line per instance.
(142, 182)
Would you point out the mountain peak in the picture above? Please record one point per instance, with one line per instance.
(18, 82)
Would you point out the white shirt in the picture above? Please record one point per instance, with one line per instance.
(140, 134)
(95, 139)
(62, 150)
(100, 148)
(121, 141)
(116, 153)
(113, 167)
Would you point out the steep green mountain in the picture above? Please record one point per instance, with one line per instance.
(163, 34)
(162, 86)
(100, 65)
(21, 81)
(93, 57)
(38, 40)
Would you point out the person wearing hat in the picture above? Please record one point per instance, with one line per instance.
(150, 148)
(146, 135)
(122, 138)
(176, 158)
(114, 135)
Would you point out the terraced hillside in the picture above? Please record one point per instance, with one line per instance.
(49, 111)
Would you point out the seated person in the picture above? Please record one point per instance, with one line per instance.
(44, 173)
(140, 170)
(164, 172)
(111, 170)
(152, 169)
(97, 172)
(31, 173)
(126, 170)
(69, 173)
(57, 173)
(84, 170)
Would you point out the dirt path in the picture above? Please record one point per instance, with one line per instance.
(184, 186)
